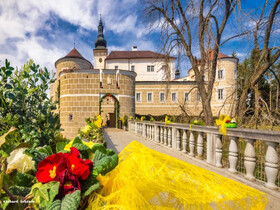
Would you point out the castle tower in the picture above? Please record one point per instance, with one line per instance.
(100, 51)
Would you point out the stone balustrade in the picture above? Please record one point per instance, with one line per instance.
(206, 143)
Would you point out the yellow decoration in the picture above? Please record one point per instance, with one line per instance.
(146, 179)
(167, 121)
(142, 118)
(221, 122)
(86, 129)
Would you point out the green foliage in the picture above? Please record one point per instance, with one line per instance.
(24, 104)
(60, 146)
(44, 194)
(24, 179)
(19, 190)
(89, 185)
(36, 155)
(71, 201)
(103, 163)
(91, 132)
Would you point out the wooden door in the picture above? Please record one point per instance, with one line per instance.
(112, 119)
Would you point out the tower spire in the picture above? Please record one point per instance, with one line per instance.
(100, 42)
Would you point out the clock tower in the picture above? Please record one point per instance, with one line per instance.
(100, 51)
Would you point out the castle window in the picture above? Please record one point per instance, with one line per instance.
(70, 117)
(220, 94)
(198, 98)
(220, 74)
(150, 97)
(162, 97)
(174, 97)
(116, 67)
(138, 97)
(150, 68)
(187, 97)
(132, 68)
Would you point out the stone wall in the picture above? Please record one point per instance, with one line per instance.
(81, 92)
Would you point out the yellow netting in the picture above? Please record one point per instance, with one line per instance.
(146, 179)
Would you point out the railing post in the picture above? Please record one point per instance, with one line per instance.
(144, 134)
(178, 139)
(191, 144)
(271, 165)
(184, 140)
(250, 159)
(165, 136)
(200, 145)
(211, 149)
(157, 133)
(169, 137)
(161, 134)
(218, 150)
(233, 154)
(174, 133)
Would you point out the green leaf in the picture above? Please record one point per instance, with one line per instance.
(19, 190)
(8, 86)
(60, 146)
(24, 179)
(80, 147)
(71, 201)
(99, 147)
(77, 140)
(8, 73)
(105, 164)
(98, 156)
(89, 185)
(11, 96)
(56, 205)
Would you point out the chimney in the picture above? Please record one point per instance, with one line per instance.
(134, 48)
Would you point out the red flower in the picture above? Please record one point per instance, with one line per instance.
(50, 168)
(76, 165)
(66, 169)
(228, 121)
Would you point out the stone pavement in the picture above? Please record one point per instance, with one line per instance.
(117, 139)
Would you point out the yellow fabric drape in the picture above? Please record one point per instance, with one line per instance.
(146, 179)
(221, 122)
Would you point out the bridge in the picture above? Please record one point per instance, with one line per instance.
(244, 155)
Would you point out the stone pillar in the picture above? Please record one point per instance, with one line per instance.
(211, 149)
(161, 134)
(174, 141)
(200, 145)
(233, 154)
(184, 140)
(271, 165)
(170, 137)
(191, 144)
(144, 134)
(165, 136)
(178, 139)
(250, 159)
(218, 151)
(157, 134)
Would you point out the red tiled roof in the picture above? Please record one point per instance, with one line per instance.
(74, 54)
(211, 56)
(134, 55)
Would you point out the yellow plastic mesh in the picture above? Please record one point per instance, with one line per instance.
(147, 179)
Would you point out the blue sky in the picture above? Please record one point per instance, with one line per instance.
(45, 30)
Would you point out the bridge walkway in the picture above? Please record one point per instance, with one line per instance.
(118, 139)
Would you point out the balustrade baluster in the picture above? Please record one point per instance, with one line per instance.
(233, 154)
(200, 145)
(178, 139)
(191, 144)
(271, 165)
(165, 136)
(157, 133)
(170, 137)
(250, 159)
(218, 144)
(161, 134)
(184, 141)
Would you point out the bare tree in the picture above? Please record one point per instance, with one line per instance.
(265, 54)
(194, 26)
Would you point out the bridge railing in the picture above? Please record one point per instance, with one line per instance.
(253, 153)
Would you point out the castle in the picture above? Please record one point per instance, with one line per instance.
(132, 82)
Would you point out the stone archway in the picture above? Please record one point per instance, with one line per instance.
(116, 106)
